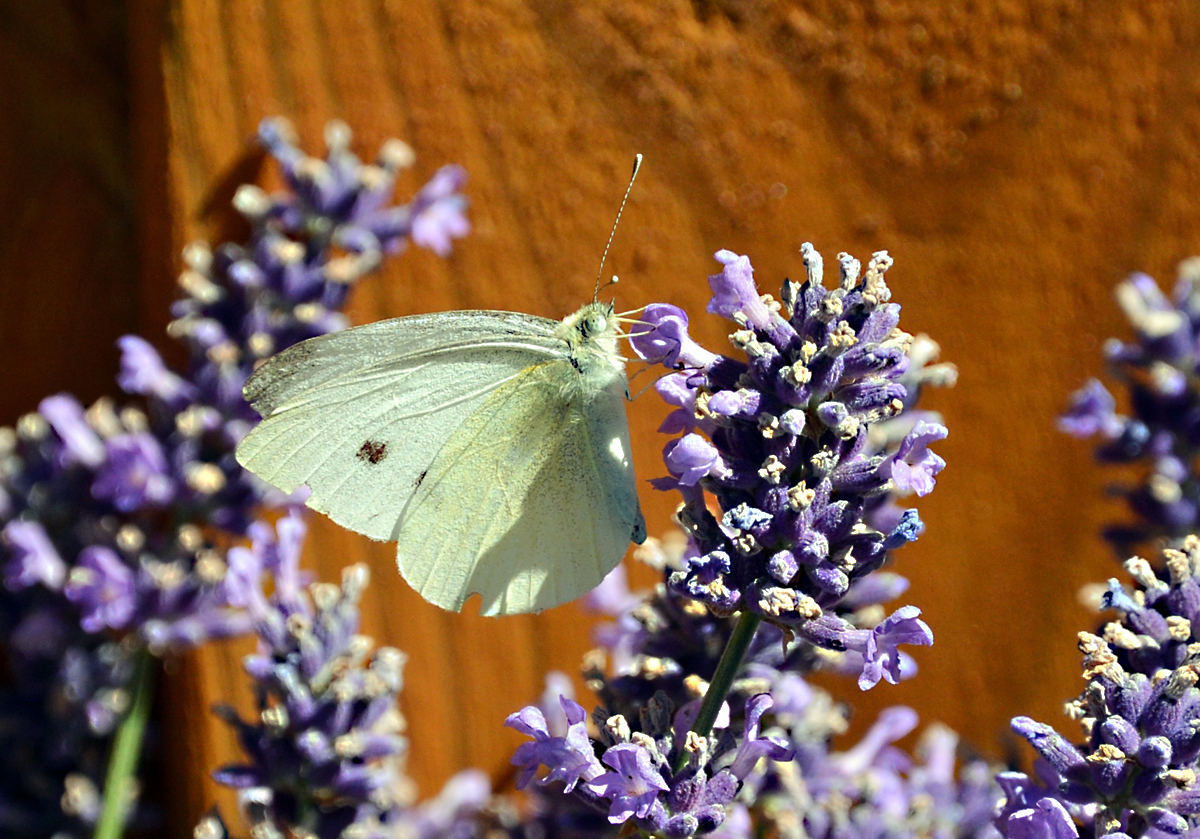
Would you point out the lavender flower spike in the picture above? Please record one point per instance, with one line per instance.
(706, 723)
(325, 750)
(781, 439)
(1162, 431)
(1133, 770)
(148, 484)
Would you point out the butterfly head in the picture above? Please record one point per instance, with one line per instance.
(590, 335)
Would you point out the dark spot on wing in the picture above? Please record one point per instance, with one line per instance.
(421, 477)
(372, 452)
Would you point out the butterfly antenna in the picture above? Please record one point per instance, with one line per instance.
(637, 164)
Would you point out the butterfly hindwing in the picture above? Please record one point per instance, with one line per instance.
(529, 503)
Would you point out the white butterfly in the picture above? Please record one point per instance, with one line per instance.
(491, 446)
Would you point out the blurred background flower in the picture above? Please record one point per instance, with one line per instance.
(116, 518)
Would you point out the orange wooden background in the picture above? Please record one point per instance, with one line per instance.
(1017, 158)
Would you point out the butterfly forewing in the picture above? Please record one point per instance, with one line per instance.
(360, 425)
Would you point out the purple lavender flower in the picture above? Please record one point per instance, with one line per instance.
(102, 587)
(875, 789)
(640, 784)
(346, 203)
(144, 372)
(438, 212)
(79, 442)
(1092, 412)
(1132, 773)
(667, 342)
(1046, 819)
(97, 478)
(803, 445)
(782, 440)
(753, 747)
(135, 474)
(457, 812)
(879, 648)
(691, 458)
(734, 292)
(1162, 430)
(913, 467)
(661, 650)
(325, 755)
(325, 752)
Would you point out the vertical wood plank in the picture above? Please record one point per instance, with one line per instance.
(67, 262)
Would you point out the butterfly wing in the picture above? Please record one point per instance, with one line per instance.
(359, 415)
(530, 503)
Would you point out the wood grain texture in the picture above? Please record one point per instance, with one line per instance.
(1016, 160)
(67, 256)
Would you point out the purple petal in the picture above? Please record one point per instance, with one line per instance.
(881, 656)
(633, 787)
(734, 291)
(135, 474)
(1047, 819)
(102, 586)
(892, 724)
(691, 458)
(35, 559)
(1092, 411)
(440, 212)
(143, 372)
(753, 748)
(913, 467)
(66, 416)
(661, 336)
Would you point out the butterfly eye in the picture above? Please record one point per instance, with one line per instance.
(594, 324)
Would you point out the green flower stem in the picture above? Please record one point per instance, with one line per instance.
(629, 830)
(722, 680)
(126, 749)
